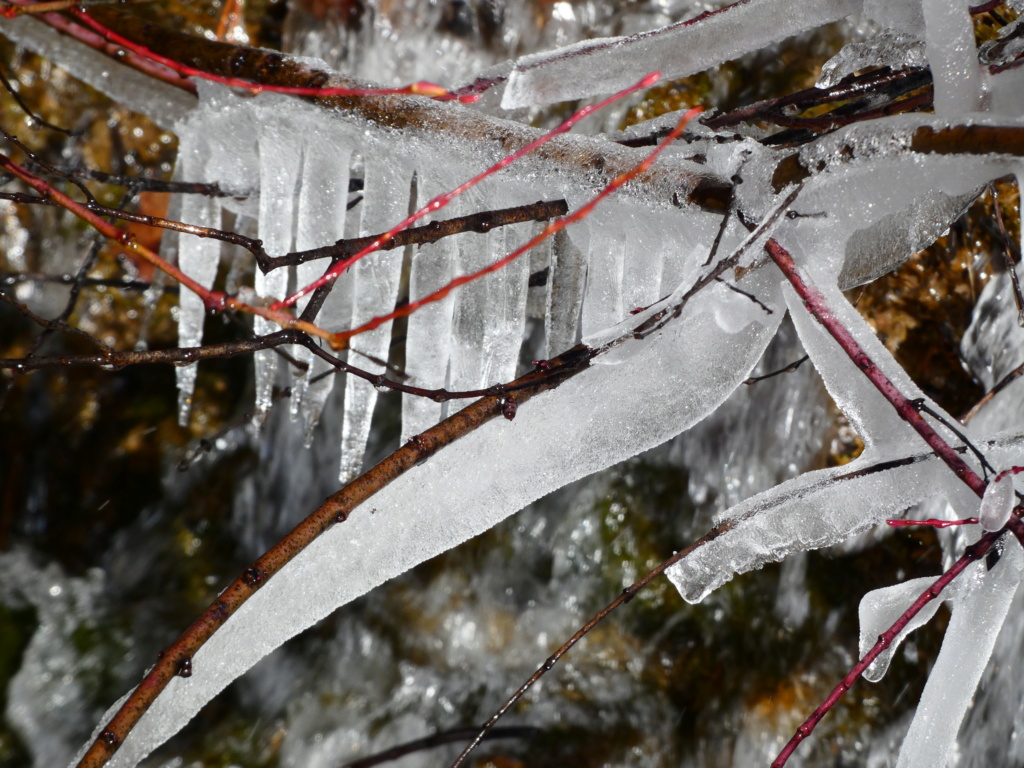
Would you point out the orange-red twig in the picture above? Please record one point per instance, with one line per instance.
(125, 240)
(442, 200)
(340, 339)
(422, 88)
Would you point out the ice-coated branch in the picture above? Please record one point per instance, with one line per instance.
(337, 508)
(445, 198)
(341, 338)
(905, 407)
(126, 242)
(972, 554)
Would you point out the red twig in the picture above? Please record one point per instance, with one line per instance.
(974, 552)
(442, 200)
(421, 88)
(818, 307)
(341, 338)
(906, 409)
(934, 523)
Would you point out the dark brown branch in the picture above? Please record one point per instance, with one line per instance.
(336, 509)
(428, 233)
(115, 360)
(51, 325)
(25, 108)
(13, 278)
(791, 368)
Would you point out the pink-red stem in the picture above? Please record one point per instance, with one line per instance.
(974, 552)
(339, 339)
(819, 309)
(442, 200)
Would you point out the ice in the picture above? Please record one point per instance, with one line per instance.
(818, 509)
(505, 322)
(565, 296)
(375, 280)
(162, 103)
(323, 198)
(880, 609)
(898, 15)
(602, 303)
(473, 303)
(476, 482)
(280, 165)
(429, 338)
(611, 64)
(887, 49)
(47, 703)
(952, 57)
(997, 503)
(979, 610)
(198, 257)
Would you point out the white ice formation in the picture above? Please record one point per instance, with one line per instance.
(879, 197)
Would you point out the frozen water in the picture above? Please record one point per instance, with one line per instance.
(46, 700)
(323, 199)
(429, 336)
(280, 166)
(952, 57)
(197, 257)
(611, 64)
(997, 503)
(164, 104)
(880, 609)
(979, 609)
(887, 49)
(498, 468)
(374, 291)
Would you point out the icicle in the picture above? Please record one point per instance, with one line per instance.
(503, 331)
(197, 257)
(490, 312)
(540, 266)
(473, 302)
(952, 57)
(644, 260)
(429, 337)
(565, 297)
(375, 282)
(323, 199)
(280, 157)
(602, 304)
(879, 610)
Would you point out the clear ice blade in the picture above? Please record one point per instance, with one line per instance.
(375, 281)
(280, 158)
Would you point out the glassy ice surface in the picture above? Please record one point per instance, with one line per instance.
(879, 201)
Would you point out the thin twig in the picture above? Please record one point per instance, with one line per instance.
(335, 509)
(440, 739)
(973, 553)
(905, 407)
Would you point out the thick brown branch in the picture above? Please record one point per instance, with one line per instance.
(336, 509)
